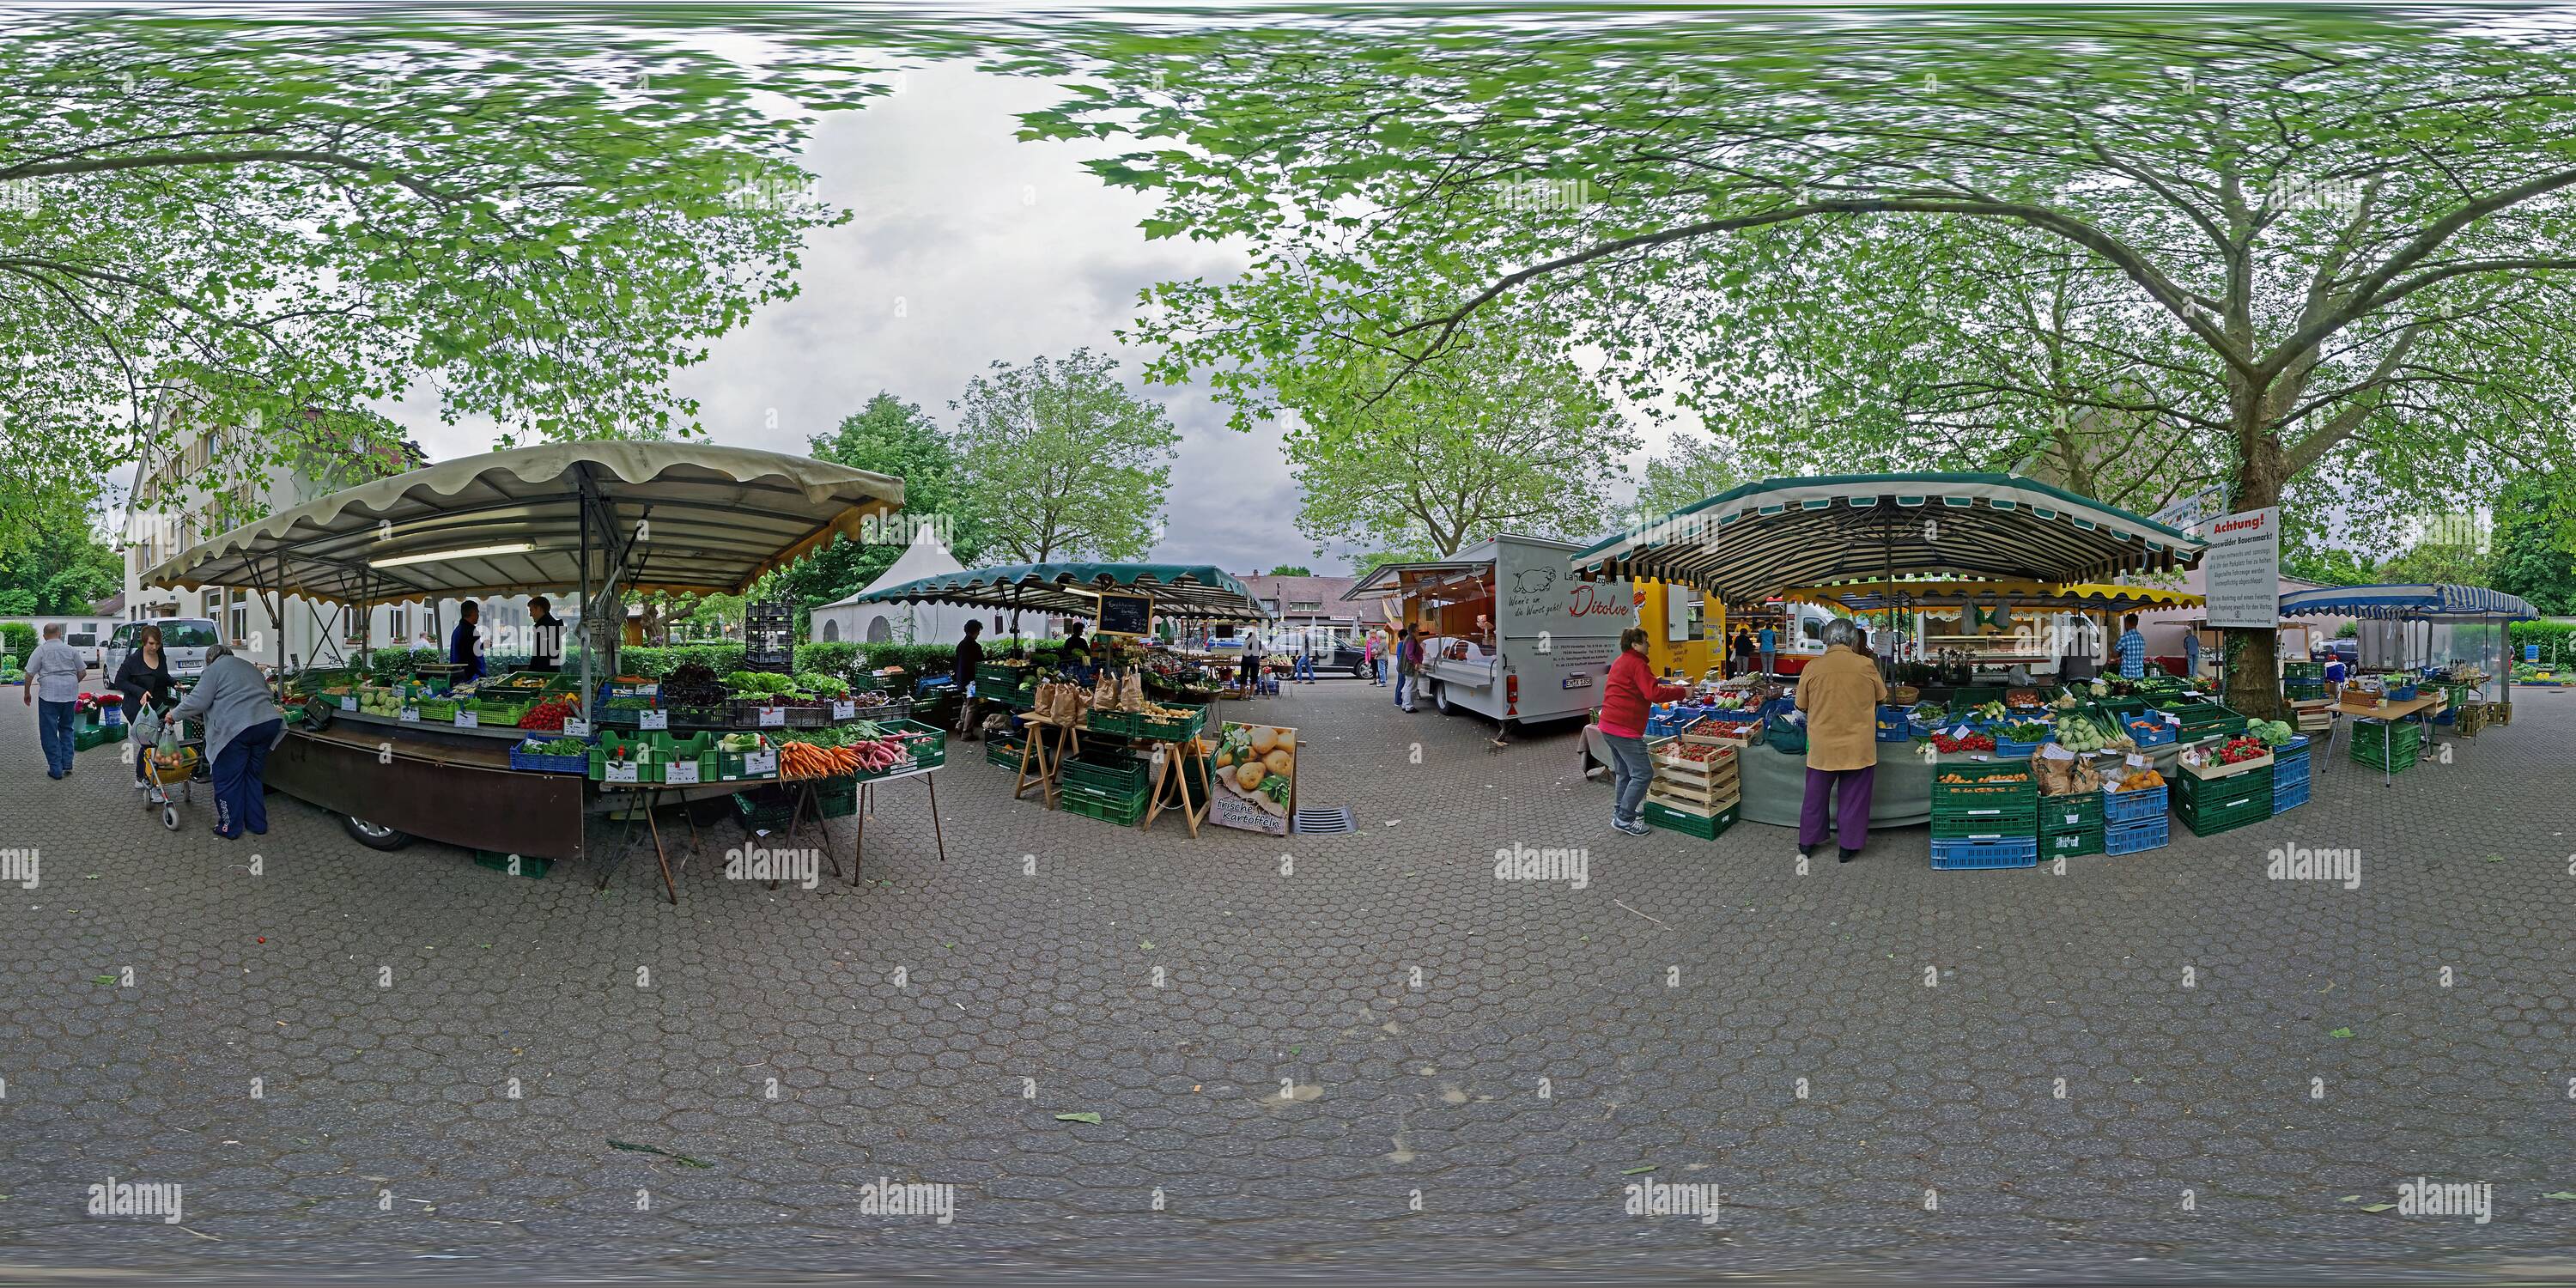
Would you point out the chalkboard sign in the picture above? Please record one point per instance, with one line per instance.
(1125, 614)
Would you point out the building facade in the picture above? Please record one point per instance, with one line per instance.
(170, 507)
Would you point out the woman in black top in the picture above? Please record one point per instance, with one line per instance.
(145, 672)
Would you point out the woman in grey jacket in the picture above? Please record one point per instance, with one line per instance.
(232, 699)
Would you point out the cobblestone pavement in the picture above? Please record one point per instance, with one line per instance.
(1381, 1061)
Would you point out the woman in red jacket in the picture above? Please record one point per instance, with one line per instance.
(1632, 685)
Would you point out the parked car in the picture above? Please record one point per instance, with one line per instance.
(184, 641)
(2349, 650)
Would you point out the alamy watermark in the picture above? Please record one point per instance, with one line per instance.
(22, 865)
(1521, 862)
(2426, 1197)
(2303, 863)
(1652, 1198)
(1543, 194)
(760, 863)
(884, 1197)
(904, 529)
(126, 1198)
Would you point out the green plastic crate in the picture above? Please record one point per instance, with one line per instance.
(1180, 730)
(837, 797)
(2067, 844)
(1122, 810)
(1005, 754)
(1707, 827)
(764, 809)
(1118, 775)
(927, 752)
(2070, 813)
(2201, 719)
(2200, 793)
(1962, 825)
(97, 736)
(614, 745)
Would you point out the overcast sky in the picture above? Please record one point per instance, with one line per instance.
(968, 246)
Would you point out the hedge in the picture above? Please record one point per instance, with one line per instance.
(2548, 635)
(19, 640)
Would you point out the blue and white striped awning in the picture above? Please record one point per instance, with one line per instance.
(1763, 538)
(2407, 602)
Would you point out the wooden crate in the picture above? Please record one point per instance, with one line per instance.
(1656, 793)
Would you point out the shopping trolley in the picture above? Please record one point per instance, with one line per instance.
(181, 765)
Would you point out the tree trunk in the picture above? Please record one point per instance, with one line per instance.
(2252, 670)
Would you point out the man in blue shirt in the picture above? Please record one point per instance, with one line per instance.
(1770, 644)
(2191, 654)
(462, 648)
(2133, 650)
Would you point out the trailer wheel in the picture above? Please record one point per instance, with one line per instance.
(374, 836)
(1440, 697)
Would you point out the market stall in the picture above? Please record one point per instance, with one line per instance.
(1087, 735)
(517, 763)
(2448, 665)
(1907, 548)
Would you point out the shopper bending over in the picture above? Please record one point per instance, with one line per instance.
(1624, 698)
(1840, 693)
(241, 725)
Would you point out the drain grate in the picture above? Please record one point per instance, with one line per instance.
(1323, 820)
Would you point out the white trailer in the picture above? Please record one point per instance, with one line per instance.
(1511, 633)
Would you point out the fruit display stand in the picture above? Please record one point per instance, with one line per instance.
(1173, 729)
(1697, 786)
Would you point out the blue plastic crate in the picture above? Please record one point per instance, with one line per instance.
(2129, 807)
(2012, 852)
(2137, 835)
(2007, 749)
(2289, 796)
(2287, 772)
(2162, 735)
(530, 762)
(1893, 726)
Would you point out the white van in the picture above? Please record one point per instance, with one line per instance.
(1513, 634)
(184, 641)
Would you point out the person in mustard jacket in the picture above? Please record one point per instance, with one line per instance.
(1840, 693)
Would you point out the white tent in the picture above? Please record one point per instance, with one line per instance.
(848, 619)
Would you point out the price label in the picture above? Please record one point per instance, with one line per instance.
(761, 764)
(468, 720)
(653, 719)
(576, 729)
(844, 710)
(2137, 761)
(348, 703)
(773, 717)
(620, 771)
(410, 715)
(680, 771)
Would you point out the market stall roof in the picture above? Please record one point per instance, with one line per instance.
(1182, 592)
(2407, 602)
(712, 519)
(1867, 596)
(1760, 539)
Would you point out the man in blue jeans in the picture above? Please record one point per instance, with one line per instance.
(53, 683)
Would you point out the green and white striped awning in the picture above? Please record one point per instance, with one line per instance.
(1763, 538)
